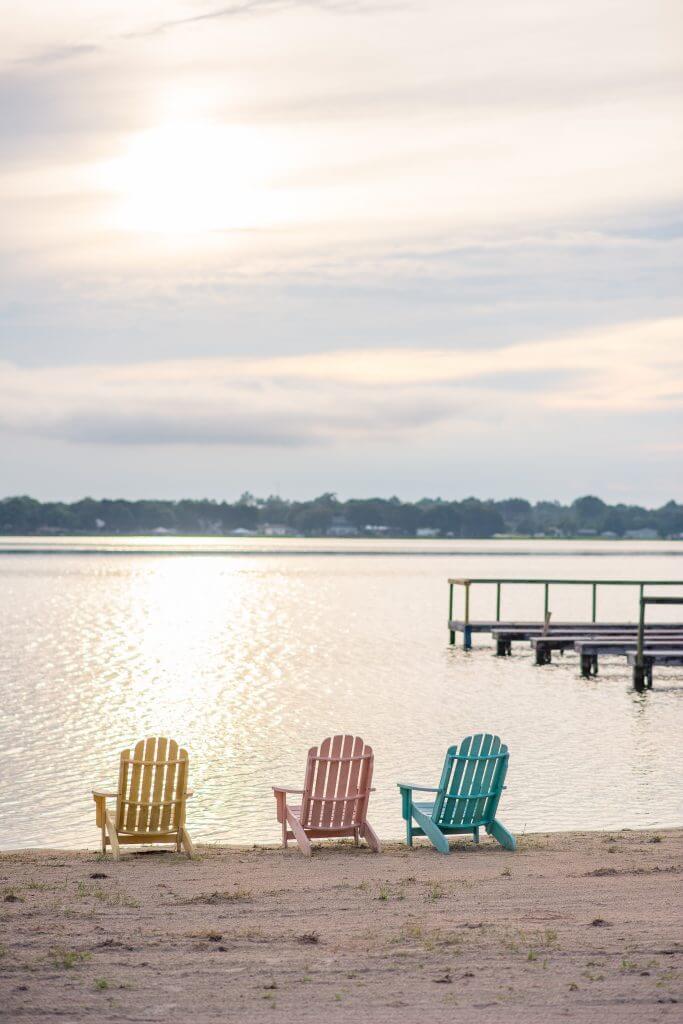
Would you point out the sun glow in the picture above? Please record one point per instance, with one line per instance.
(189, 177)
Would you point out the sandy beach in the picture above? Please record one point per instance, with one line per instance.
(580, 926)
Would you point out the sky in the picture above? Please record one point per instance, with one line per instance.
(375, 248)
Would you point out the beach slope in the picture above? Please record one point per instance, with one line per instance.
(576, 926)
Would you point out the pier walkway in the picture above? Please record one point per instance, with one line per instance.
(643, 643)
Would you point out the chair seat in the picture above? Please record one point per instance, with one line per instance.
(426, 806)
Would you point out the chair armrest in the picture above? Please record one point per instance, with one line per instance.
(414, 785)
(99, 794)
(189, 792)
(280, 794)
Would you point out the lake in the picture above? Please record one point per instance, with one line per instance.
(248, 652)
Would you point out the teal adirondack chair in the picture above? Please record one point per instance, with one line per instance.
(466, 798)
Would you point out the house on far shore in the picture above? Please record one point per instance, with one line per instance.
(341, 527)
(646, 533)
(277, 530)
(242, 532)
(427, 531)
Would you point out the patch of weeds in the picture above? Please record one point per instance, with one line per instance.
(655, 839)
(506, 873)
(435, 891)
(430, 939)
(550, 937)
(384, 892)
(101, 984)
(599, 922)
(531, 955)
(68, 958)
(629, 965)
(309, 939)
(573, 987)
(337, 997)
(593, 977)
(34, 886)
(213, 898)
(410, 930)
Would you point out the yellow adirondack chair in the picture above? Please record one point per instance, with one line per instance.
(150, 799)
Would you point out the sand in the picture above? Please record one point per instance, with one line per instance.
(581, 927)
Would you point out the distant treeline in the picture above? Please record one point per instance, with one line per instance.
(328, 516)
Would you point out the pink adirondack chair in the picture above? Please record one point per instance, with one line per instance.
(334, 800)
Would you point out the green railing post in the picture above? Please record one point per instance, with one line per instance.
(546, 604)
(450, 613)
(595, 602)
(467, 632)
(498, 601)
(639, 667)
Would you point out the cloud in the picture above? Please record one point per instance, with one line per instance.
(370, 395)
(244, 8)
(59, 54)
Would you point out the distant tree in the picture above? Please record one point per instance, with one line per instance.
(589, 511)
(515, 512)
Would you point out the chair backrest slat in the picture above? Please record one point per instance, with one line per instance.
(471, 782)
(337, 784)
(152, 787)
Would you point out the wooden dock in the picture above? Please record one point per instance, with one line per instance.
(643, 643)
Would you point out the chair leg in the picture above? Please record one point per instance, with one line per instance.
(369, 834)
(432, 831)
(356, 837)
(501, 834)
(299, 834)
(284, 833)
(475, 835)
(113, 837)
(409, 833)
(186, 842)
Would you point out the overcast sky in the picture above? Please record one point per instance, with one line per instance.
(422, 247)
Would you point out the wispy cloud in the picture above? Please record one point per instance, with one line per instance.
(59, 54)
(243, 8)
(336, 396)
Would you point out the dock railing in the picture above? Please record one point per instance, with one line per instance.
(641, 670)
(546, 584)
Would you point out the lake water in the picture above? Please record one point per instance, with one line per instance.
(250, 652)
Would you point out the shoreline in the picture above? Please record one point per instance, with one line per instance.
(584, 925)
(93, 849)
